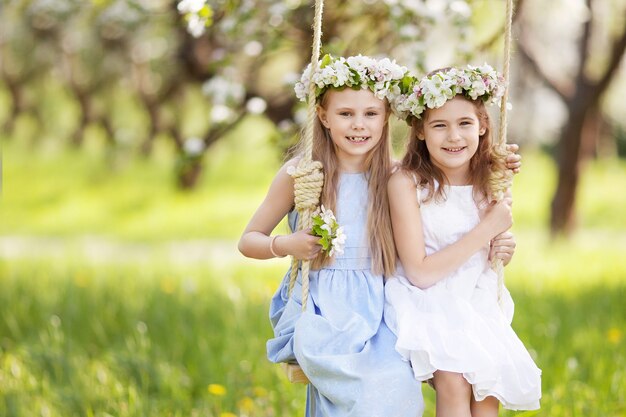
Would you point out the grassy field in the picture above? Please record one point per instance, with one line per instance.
(122, 296)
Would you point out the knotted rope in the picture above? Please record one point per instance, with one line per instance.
(308, 176)
(308, 182)
(502, 178)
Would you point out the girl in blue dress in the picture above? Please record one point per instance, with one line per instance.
(341, 341)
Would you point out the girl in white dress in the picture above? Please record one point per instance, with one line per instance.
(443, 302)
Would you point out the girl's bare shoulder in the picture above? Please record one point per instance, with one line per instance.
(287, 167)
(403, 178)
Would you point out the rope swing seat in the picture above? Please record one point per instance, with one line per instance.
(309, 177)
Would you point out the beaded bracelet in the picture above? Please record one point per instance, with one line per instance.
(272, 248)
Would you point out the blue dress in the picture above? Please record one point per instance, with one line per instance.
(341, 341)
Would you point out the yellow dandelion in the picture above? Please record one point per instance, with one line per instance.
(227, 414)
(217, 389)
(614, 335)
(246, 404)
(81, 280)
(167, 285)
(260, 392)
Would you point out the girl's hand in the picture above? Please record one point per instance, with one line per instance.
(502, 247)
(499, 216)
(514, 160)
(301, 245)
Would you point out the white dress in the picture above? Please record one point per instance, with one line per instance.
(457, 325)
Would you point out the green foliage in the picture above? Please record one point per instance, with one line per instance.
(323, 234)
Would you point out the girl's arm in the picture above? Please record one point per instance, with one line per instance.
(255, 240)
(424, 271)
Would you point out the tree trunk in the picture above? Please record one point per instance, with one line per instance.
(582, 114)
(85, 117)
(189, 174)
(16, 105)
(591, 133)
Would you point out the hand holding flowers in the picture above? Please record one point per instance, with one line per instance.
(325, 226)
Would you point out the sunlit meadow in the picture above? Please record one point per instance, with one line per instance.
(124, 297)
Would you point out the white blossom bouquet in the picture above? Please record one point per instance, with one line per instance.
(325, 226)
(432, 91)
(382, 76)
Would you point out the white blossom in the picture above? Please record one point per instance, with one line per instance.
(190, 6)
(300, 116)
(334, 239)
(196, 25)
(338, 242)
(193, 146)
(253, 48)
(221, 90)
(433, 91)
(256, 105)
(285, 125)
(380, 76)
(220, 113)
(196, 21)
(461, 8)
(327, 215)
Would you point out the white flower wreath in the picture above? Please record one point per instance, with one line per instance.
(432, 91)
(382, 76)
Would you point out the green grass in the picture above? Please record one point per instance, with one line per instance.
(150, 337)
(51, 191)
(136, 340)
(101, 314)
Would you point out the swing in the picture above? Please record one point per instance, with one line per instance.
(308, 182)
(309, 177)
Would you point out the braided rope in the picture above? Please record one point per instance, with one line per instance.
(308, 177)
(502, 178)
(308, 182)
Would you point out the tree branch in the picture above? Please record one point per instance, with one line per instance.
(564, 90)
(214, 134)
(583, 47)
(617, 53)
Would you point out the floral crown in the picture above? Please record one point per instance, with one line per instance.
(382, 76)
(433, 90)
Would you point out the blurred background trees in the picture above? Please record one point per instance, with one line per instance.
(141, 73)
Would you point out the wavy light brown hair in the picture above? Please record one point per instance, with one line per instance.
(378, 168)
(417, 158)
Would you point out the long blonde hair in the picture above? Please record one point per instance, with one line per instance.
(378, 168)
(417, 158)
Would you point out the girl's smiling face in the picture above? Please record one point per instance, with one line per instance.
(355, 120)
(452, 135)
